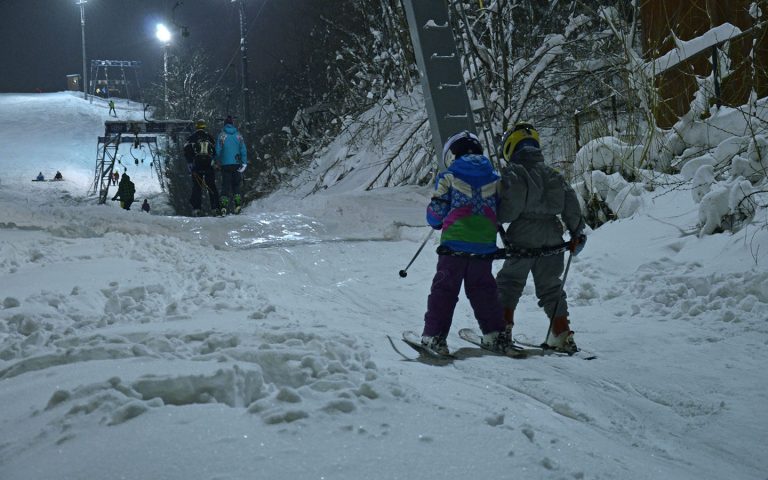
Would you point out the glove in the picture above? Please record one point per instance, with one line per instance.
(242, 169)
(576, 245)
(437, 227)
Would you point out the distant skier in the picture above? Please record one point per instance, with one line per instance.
(58, 176)
(199, 152)
(112, 108)
(115, 178)
(534, 199)
(125, 192)
(145, 206)
(232, 157)
(40, 177)
(463, 206)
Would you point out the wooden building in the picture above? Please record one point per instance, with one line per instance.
(688, 19)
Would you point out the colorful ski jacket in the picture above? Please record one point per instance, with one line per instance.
(230, 147)
(464, 205)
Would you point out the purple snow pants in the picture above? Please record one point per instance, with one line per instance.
(480, 287)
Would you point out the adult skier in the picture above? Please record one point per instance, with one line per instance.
(533, 195)
(125, 192)
(233, 159)
(199, 152)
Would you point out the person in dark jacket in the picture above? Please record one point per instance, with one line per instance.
(145, 206)
(125, 192)
(199, 151)
(537, 202)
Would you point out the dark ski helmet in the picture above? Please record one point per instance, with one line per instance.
(200, 125)
(461, 144)
(523, 134)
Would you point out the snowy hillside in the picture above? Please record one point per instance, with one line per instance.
(137, 345)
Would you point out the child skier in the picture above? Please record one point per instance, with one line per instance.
(533, 195)
(463, 206)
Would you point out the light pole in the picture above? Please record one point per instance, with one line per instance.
(81, 4)
(244, 60)
(164, 35)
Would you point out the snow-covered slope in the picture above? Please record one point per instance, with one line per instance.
(254, 346)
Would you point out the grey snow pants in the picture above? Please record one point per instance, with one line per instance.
(546, 280)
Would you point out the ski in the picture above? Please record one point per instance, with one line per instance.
(583, 354)
(524, 349)
(426, 355)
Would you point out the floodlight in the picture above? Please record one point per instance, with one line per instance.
(162, 33)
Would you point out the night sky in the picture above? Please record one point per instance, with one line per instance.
(41, 43)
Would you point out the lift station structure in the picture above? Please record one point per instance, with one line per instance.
(135, 134)
(108, 79)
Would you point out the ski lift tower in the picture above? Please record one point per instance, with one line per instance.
(118, 82)
(138, 133)
(445, 92)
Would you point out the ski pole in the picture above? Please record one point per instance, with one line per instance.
(559, 295)
(404, 272)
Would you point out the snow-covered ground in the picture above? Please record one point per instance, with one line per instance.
(254, 346)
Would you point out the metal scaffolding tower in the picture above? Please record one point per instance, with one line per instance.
(117, 133)
(118, 83)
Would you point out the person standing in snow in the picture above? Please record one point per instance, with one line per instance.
(463, 207)
(115, 177)
(125, 192)
(533, 195)
(199, 152)
(145, 206)
(233, 159)
(112, 108)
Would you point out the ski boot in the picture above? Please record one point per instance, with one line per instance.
(498, 342)
(224, 202)
(437, 344)
(563, 340)
(238, 207)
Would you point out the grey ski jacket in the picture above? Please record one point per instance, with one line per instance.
(534, 199)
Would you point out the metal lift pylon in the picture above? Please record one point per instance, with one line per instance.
(117, 133)
(445, 93)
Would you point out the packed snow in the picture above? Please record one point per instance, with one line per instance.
(137, 345)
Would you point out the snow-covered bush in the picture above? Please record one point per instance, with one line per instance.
(727, 206)
(609, 154)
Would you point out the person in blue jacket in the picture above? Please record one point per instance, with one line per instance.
(232, 158)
